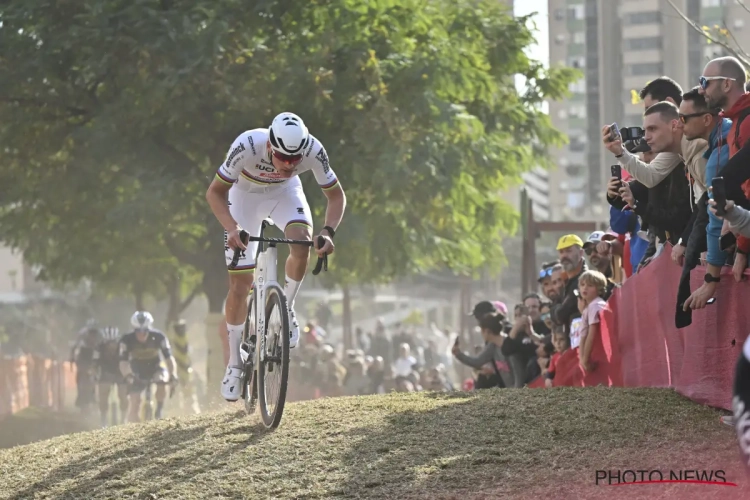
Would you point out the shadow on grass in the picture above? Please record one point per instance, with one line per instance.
(506, 443)
(171, 456)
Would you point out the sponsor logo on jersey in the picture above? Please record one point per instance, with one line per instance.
(322, 157)
(309, 148)
(239, 149)
(252, 144)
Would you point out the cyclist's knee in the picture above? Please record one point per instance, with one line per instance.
(240, 284)
(299, 232)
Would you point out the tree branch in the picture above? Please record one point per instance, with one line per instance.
(42, 104)
(742, 4)
(185, 303)
(697, 28)
(739, 47)
(184, 256)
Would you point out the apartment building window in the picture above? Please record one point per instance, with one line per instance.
(577, 144)
(643, 18)
(739, 24)
(712, 3)
(578, 87)
(713, 51)
(648, 43)
(577, 62)
(577, 111)
(560, 14)
(560, 39)
(576, 12)
(643, 69)
(579, 37)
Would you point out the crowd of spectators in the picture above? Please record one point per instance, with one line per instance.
(661, 195)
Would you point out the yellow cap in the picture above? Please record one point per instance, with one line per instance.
(568, 241)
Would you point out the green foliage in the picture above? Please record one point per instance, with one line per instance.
(117, 114)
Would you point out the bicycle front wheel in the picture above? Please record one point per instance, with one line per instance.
(250, 390)
(273, 371)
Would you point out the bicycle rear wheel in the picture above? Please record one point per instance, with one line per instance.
(250, 387)
(273, 371)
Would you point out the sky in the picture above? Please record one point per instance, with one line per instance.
(523, 7)
(540, 50)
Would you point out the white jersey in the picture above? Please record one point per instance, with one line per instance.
(248, 164)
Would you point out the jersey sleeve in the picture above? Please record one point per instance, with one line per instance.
(322, 170)
(241, 150)
(124, 350)
(166, 349)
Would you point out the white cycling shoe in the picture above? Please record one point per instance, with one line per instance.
(231, 386)
(293, 329)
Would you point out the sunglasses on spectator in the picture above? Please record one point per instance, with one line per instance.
(705, 80)
(685, 118)
(545, 273)
(590, 249)
(288, 159)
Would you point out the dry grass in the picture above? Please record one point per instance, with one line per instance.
(492, 444)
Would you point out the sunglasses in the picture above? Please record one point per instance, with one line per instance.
(685, 118)
(590, 249)
(545, 273)
(705, 80)
(288, 159)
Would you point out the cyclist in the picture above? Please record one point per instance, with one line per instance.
(141, 355)
(107, 366)
(82, 355)
(258, 179)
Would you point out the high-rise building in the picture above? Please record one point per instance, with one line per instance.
(619, 47)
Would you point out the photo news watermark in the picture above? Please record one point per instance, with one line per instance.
(623, 477)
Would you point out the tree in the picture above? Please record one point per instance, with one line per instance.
(720, 35)
(116, 115)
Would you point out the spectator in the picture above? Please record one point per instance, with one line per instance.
(562, 344)
(602, 262)
(491, 326)
(592, 287)
(664, 162)
(533, 303)
(624, 221)
(670, 207)
(403, 367)
(738, 218)
(377, 375)
(356, 381)
(570, 248)
(380, 345)
(550, 279)
(520, 346)
(701, 121)
(723, 85)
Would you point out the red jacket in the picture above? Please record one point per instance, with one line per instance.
(743, 243)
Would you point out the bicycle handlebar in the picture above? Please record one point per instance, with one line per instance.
(246, 238)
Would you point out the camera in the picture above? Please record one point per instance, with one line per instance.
(631, 134)
(637, 146)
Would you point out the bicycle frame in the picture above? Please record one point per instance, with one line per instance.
(265, 265)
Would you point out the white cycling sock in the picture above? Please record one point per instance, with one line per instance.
(290, 290)
(235, 338)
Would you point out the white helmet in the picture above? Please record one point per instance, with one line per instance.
(142, 320)
(288, 134)
(110, 333)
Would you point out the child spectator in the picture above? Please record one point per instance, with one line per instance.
(592, 286)
(561, 343)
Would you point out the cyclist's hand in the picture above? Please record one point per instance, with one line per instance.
(327, 247)
(233, 240)
(173, 380)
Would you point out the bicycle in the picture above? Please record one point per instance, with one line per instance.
(271, 349)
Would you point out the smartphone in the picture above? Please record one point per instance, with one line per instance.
(576, 293)
(616, 171)
(727, 241)
(614, 132)
(720, 195)
(711, 300)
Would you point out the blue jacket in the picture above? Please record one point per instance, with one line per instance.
(717, 157)
(620, 222)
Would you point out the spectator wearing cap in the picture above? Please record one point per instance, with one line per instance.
(570, 249)
(600, 256)
(492, 326)
(551, 281)
(481, 309)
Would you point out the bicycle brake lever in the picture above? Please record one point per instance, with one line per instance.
(322, 261)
